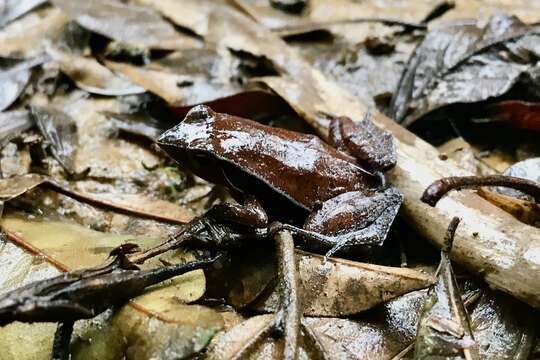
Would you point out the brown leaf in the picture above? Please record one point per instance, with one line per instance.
(125, 23)
(342, 287)
(176, 89)
(91, 76)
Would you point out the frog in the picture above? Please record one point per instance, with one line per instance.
(293, 177)
(331, 194)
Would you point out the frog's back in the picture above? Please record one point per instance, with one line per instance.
(299, 166)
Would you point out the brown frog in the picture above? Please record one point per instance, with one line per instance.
(293, 177)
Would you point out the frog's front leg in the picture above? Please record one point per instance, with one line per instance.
(250, 213)
(353, 219)
(373, 147)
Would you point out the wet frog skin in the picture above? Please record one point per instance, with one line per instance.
(293, 177)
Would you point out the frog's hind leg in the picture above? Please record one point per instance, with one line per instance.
(374, 234)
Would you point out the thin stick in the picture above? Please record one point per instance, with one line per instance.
(441, 187)
(290, 306)
(100, 203)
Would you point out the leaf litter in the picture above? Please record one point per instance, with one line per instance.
(84, 101)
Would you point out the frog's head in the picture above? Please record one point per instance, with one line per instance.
(192, 133)
(190, 143)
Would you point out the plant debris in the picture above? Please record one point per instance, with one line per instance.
(247, 140)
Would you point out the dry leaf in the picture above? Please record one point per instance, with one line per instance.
(125, 23)
(12, 9)
(27, 36)
(91, 76)
(337, 288)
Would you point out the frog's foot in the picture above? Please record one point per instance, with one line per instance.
(354, 219)
(374, 234)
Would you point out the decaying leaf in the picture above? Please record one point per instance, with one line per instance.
(14, 76)
(335, 288)
(444, 328)
(320, 14)
(190, 14)
(16, 186)
(12, 9)
(125, 23)
(467, 63)
(91, 76)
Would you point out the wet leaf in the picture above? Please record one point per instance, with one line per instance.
(14, 76)
(12, 9)
(159, 315)
(91, 76)
(337, 288)
(466, 63)
(125, 23)
(503, 328)
(250, 104)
